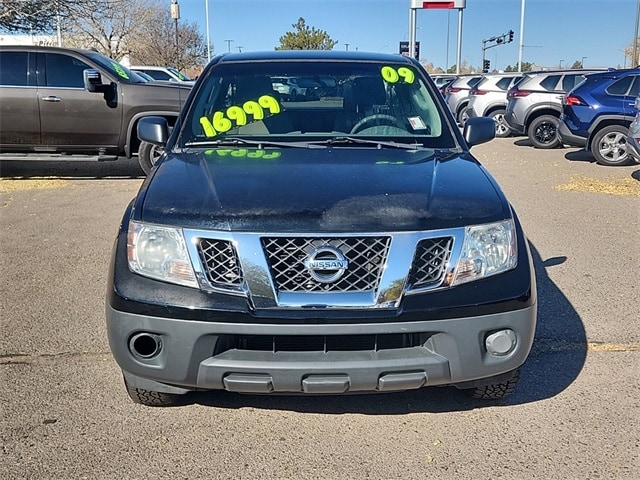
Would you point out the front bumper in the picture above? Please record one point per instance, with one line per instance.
(190, 356)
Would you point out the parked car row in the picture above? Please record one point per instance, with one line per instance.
(593, 109)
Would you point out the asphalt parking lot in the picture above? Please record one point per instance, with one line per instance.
(575, 415)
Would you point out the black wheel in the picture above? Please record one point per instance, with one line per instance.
(502, 129)
(498, 390)
(543, 132)
(609, 146)
(153, 399)
(463, 114)
(148, 156)
(376, 120)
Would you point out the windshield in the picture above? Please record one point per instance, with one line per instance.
(180, 75)
(311, 101)
(117, 70)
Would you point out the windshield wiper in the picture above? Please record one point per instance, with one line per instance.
(234, 141)
(363, 141)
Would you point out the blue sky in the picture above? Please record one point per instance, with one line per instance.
(554, 30)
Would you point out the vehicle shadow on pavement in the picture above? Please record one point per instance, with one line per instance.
(70, 170)
(556, 359)
(579, 156)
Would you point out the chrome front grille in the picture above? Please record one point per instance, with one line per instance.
(430, 262)
(222, 267)
(286, 258)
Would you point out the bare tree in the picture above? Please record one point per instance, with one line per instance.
(34, 16)
(154, 42)
(107, 25)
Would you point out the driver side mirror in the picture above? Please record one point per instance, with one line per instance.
(93, 81)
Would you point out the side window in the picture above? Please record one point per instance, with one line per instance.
(158, 75)
(14, 68)
(503, 83)
(550, 83)
(64, 71)
(570, 81)
(621, 87)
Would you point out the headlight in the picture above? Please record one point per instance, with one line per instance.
(160, 253)
(487, 250)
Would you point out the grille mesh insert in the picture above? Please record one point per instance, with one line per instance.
(286, 258)
(221, 263)
(430, 262)
(319, 343)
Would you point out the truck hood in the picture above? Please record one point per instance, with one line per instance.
(320, 190)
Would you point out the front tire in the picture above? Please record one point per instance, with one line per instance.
(609, 146)
(543, 132)
(495, 391)
(153, 399)
(148, 156)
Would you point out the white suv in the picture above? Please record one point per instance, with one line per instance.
(488, 98)
(168, 74)
(457, 95)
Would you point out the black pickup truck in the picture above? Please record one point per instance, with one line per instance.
(57, 102)
(337, 242)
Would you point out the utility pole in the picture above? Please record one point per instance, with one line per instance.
(634, 58)
(175, 14)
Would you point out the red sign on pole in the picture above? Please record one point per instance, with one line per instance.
(438, 4)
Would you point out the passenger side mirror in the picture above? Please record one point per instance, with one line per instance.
(479, 130)
(154, 130)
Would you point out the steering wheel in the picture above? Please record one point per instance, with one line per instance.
(375, 120)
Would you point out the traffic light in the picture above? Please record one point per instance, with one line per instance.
(510, 35)
(486, 65)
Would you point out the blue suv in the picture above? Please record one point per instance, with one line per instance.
(597, 114)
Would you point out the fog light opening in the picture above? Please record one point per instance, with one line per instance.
(145, 345)
(501, 343)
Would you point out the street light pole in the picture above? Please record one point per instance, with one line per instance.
(175, 14)
(206, 13)
(228, 45)
(582, 62)
(521, 46)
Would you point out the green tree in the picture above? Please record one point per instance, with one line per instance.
(306, 38)
(526, 67)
